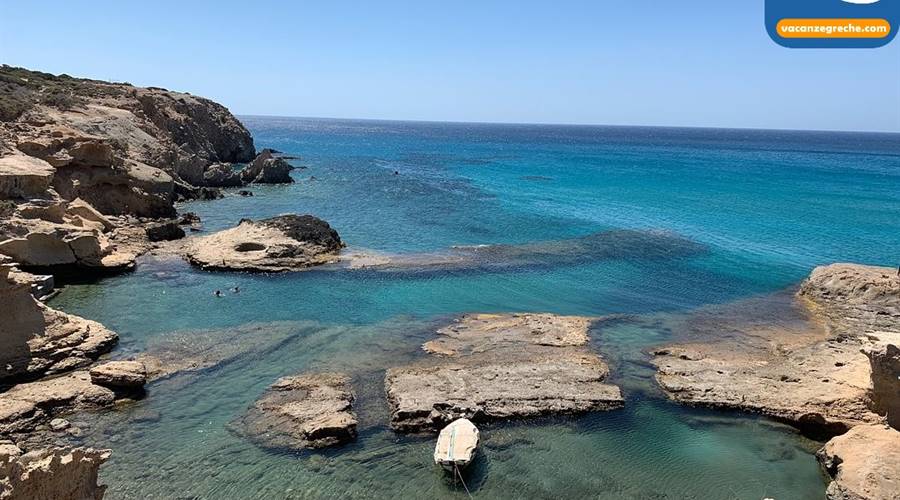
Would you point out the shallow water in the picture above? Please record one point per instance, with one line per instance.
(759, 209)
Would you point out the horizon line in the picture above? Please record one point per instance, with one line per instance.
(558, 124)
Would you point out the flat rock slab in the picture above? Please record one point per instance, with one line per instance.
(487, 367)
(26, 406)
(283, 243)
(864, 464)
(303, 411)
(820, 388)
(818, 380)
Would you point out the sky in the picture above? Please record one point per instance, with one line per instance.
(636, 62)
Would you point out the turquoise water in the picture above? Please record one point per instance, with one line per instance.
(762, 207)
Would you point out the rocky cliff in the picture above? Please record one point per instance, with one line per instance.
(79, 126)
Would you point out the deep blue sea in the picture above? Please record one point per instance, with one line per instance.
(760, 209)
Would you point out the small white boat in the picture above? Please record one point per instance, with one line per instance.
(456, 445)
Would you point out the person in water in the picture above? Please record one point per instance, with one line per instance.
(236, 289)
(218, 293)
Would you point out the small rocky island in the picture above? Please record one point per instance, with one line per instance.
(282, 243)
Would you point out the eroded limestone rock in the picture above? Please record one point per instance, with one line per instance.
(303, 411)
(282, 243)
(51, 474)
(864, 464)
(818, 379)
(267, 168)
(486, 367)
(37, 340)
(884, 361)
(119, 374)
(22, 176)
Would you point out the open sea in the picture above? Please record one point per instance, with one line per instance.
(761, 209)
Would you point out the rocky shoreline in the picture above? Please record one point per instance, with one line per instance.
(837, 378)
(89, 176)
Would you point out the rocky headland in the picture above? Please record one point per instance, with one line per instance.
(839, 376)
(85, 163)
(501, 366)
(90, 172)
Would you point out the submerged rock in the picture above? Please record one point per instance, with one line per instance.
(864, 464)
(818, 379)
(487, 367)
(282, 243)
(193, 351)
(605, 245)
(51, 474)
(302, 411)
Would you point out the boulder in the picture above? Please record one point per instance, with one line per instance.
(301, 411)
(267, 168)
(864, 464)
(119, 374)
(51, 474)
(85, 211)
(222, 175)
(55, 244)
(501, 366)
(23, 176)
(282, 243)
(164, 231)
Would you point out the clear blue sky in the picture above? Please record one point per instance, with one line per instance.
(642, 62)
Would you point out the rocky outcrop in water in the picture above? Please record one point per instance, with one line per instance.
(488, 367)
(267, 168)
(51, 474)
(822, 383)
(864, 464)
(282, 243)
(36, 340)
(302, 411)
(821, 388)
